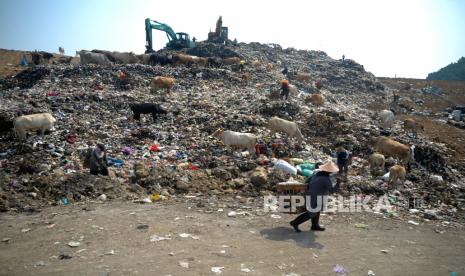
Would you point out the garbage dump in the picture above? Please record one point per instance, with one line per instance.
(175, 152)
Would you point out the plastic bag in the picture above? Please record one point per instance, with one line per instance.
(284, 166)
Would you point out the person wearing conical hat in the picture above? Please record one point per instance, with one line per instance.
(320, 185)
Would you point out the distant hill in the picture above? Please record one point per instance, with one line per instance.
(453, 71)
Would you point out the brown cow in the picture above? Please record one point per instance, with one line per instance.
(245, 76)
(256, 63)
(393, 148)
(376, 162)
(161, 82)
(396, 172)
(413, 126)
(315, 99)
(183, 59)
(231, 61)
(269, 66)
(302, 77)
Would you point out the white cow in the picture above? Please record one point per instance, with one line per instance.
(93, 58)
(387, 118)
(42, 121)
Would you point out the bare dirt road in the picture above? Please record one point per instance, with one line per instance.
(114, 239)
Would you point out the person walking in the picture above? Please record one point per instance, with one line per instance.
(319, 185)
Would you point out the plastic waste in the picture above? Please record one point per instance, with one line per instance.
(156, 238)
(155, 197)
(154, 147)
(24, 61)
(386, 177)
(74, 244)
(127, 150)
(307, 173)
(339, 269)
(71, 138)
(193, 167)
(217, 269)
(286, 167)
(456, 114)
(260, 149)
(115, 162)
(297, 161)
(64, 200)
(361, 226)
(308, 166)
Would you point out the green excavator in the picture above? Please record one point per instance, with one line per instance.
(176, 41)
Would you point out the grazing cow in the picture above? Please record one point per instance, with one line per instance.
(245, 76)
(256, 63)
(119, 57)
(392, 148)
(237, 139)
(93, 58)
(161, 82)
(147, 108)
(269, 67)
(124, 58)
(290, 128)
(315, 99)
(413, 126)
(376, 162)
(396, 173)
(42, 121)
(387, 118)
(231, 61)
(200, 61)
(182, 59)
(293, 90)
(302, 77)
(160, 59)
(214, 61)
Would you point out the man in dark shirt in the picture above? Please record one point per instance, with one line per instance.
(285, 71)
(319, 186)
(343, 160)
(98, 160)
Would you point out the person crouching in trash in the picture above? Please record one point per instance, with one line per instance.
(98, 160)
(284, 89)
(319, 185)
(343, 160)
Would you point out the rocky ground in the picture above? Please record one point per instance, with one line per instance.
(91, 105)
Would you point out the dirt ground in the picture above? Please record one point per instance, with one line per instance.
(112, 244)
(453, 92)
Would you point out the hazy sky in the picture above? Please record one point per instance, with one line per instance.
(410, 38)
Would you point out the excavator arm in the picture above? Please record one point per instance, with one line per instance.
(152, 24)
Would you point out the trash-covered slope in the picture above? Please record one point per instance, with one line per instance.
(176, 153)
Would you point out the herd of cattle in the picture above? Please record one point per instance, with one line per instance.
(383, 146)
(100, 57)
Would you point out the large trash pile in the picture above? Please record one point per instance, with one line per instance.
(176, 153)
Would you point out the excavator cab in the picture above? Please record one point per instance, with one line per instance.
(183, 36)
(183, 41)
